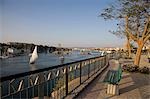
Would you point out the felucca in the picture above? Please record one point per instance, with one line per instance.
(34, 56)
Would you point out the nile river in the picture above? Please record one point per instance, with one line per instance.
(21, 64)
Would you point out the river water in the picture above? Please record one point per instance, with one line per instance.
(21, 64)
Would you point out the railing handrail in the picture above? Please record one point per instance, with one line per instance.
(9, 77)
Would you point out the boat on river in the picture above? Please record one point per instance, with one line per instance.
(34, 56)
(4, 57)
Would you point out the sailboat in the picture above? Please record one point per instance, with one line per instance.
(61, 57)
(61, 54)
(34, 56)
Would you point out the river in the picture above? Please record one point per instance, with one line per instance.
(21, 64)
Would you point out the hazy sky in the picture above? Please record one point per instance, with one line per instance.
(73, 23)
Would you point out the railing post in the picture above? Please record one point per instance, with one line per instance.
(66, 83)
(105, 60)
(89, 69)
(94, 66)
(80, 71)
(41, 86)
(99, 63)
(102, 61)
(9, 89)
(28, 85)
(0, 90)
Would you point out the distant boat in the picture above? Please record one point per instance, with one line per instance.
(103, 53)
(61, 54)
(4, 57)
(62, 57)
(34, 56)
(83, 52)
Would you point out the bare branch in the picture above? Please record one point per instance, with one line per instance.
(127, 30)
(147, 37)
(146, 27)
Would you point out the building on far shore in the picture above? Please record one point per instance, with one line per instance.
(13, 51)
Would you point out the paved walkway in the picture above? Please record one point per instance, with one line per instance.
(132, 86)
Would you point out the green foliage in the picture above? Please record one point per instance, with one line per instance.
(71, 76)
(145, 70)
(26, 46)
(59, 82)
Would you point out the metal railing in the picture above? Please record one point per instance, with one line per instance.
(53, 82)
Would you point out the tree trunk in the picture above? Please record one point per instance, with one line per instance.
(138, 53)
(129, 48)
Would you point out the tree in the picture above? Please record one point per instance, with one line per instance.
(136, 23)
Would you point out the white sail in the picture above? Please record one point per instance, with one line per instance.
(62, 57)
(34, 56)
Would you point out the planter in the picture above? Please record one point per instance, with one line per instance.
(112, 89)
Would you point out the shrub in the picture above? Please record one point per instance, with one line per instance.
(133, 69)
(125, 68)
(144, 70)
(126, 57)
(130, 68)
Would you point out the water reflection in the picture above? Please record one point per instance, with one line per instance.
(32, 67)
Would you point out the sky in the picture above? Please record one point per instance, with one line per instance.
(71, 23)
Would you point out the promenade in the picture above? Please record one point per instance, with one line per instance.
(131, 86)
